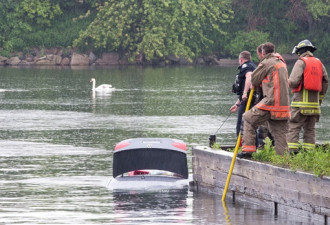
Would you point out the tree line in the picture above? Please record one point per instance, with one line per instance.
(157, 29)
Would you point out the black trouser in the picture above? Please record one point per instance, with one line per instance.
(240, 111)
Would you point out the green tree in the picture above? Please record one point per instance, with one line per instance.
(38, 11)
(247, 41)
(285, 21)
(156, 28)
(42, 23)
(11, 26)
(18, 17)
(318, 8)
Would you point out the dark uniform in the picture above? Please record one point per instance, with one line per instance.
(238, 88)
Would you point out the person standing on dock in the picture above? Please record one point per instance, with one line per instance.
(242, 85)
(309, 83)
(274, 108)
(263, 130)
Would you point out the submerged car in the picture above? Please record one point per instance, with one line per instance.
(144, 163)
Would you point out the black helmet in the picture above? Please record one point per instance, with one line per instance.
(306, 45)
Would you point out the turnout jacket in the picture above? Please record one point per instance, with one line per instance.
(272, 75)
(307, 101)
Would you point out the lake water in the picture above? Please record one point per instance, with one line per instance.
(57, 137)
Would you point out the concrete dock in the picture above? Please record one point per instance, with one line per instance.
(282, 190)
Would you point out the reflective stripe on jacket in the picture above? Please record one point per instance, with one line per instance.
(308, 106)
(272, 74)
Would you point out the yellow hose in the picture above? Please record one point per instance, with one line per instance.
(226, 213)
(236, 150)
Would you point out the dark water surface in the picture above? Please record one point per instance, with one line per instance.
(57, 136)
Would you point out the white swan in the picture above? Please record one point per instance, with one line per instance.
(102, 87)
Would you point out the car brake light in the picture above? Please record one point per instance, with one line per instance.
(121, 145)
(179, 145)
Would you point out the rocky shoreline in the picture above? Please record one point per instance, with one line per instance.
(60, 57)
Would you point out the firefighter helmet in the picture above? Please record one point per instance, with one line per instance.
(306, 45)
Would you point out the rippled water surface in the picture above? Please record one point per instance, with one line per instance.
(57, 137)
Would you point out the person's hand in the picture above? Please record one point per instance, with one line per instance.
(234, 108)
(244, 96)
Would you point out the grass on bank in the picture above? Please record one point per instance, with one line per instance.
(316, 161)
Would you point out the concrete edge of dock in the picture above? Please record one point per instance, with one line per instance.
(282, 190)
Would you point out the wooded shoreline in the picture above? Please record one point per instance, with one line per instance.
(60, 57)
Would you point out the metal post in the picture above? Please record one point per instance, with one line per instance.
(212, 140)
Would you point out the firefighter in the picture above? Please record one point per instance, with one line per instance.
(309, 83)
(259, 52)
(274, 107)
(263, 130)
(241, 86)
